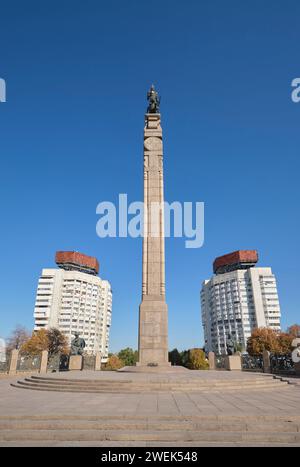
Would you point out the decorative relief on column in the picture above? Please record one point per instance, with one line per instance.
(145, 243)
(153, 144)
(160, 164)
(162, 235)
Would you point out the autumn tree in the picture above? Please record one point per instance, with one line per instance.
(268, 339)
(197, 360)
(58, 342)
(285, 343)
(114, 363)
(17, 338)
(52, 340)
(36, 343)
(294, 330)
(128, 356)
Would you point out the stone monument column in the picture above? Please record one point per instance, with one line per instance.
(153, 313)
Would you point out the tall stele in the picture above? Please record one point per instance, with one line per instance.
(153, 316)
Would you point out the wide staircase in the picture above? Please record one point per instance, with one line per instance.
(150, 431)
(121, 428)
(122, 386)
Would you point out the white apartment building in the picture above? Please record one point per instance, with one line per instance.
(71, 300)
(236, 302)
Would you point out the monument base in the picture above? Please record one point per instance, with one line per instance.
(233, 362)
(153, 333)
(165, 369)
(75, 362)
(164, 365)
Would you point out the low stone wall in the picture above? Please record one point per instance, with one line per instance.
(265, 363)
(18, 363)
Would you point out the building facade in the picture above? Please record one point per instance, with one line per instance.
(74, 298)
(237, 299)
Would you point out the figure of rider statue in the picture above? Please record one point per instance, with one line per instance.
(77, 345)
(230, 345)
(154, 101)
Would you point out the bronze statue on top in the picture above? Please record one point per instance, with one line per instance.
(77, 345)
(230, 345)
(154, 101)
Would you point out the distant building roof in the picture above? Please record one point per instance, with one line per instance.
(240, 259)
(75, 261)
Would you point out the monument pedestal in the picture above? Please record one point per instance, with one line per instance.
(44, 361)
(75, 362)
(98, 361)
(233, 362)
(266, 361)
(153, 334)
(212, 360)
(13, 362)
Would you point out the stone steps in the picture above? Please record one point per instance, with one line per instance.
(128, 386)
(152, 425)
(204, 430)
(178, 382)
(144, 444)
(168, 386)
(226, 434)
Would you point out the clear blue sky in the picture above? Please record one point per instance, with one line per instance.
(71, 136)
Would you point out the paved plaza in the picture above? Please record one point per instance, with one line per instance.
(220, 416)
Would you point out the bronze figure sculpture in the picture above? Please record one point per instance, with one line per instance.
(77, 345)
(230, 345)
(154, 101)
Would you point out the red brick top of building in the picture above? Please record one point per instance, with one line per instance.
(77, 259)
(237, 257)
